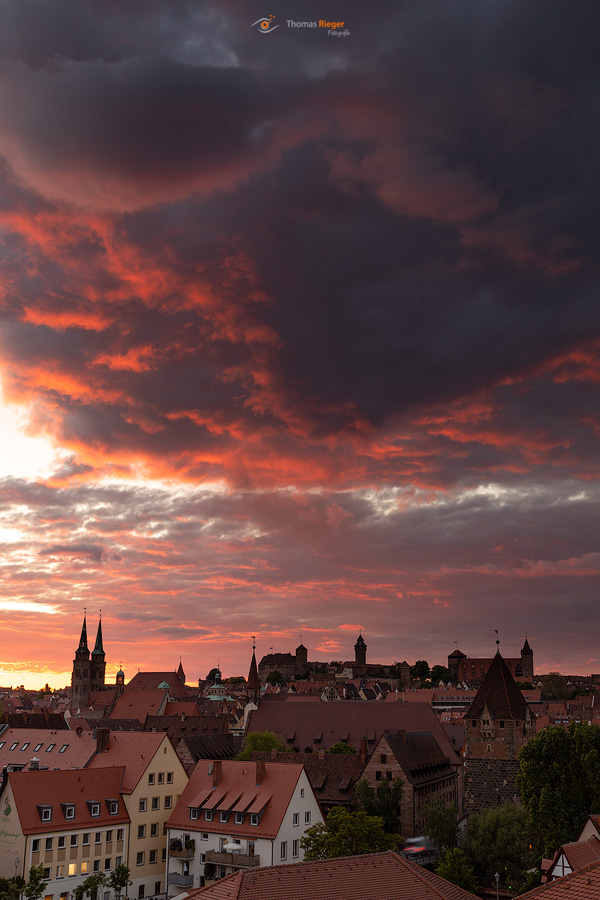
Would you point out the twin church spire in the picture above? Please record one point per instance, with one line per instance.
(88, 671)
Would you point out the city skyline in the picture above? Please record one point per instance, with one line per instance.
(298, 333)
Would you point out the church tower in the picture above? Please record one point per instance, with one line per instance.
(80, 678)
(527, 661)
(98, 662)
(253, 683)
(360, 651)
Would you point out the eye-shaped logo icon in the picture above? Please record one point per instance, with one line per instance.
(265, 25)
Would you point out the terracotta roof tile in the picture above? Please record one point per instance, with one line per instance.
(581, 885)
(74, 786)
(132, 749)
(499, 691)
(378, 876)
(54, 749)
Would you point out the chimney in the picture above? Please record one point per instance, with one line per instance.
(102, 739)
(260, 771)
(34, 764)
(217, 771)
(321, 753)
(363, 751)
(402, 734)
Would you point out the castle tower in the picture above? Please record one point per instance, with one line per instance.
(360, 651)
(497, 724)
(98, 662)
(80, 677)
(527, 661)
(253, 683)
(454, 660)
(301, 660)
(120, 683)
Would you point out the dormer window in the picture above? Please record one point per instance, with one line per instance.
(239, 818)
(113, 807)
(193, 813)
(208, 815)
(253, 818)
(45, 813)
(68, 810)
(94, 808)
(223, 816)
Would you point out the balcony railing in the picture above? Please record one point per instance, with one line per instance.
(182, 854)
(239, 860)
(181, 880)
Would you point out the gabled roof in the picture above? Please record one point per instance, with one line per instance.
(79, 787)
(577, 854)
(348, 719)
(500, 693)
(332, 777)
(237, 790)
(581, 885)
(149, 681)
(133, 749)
(419, 755)
(139, 704)
(377, 876)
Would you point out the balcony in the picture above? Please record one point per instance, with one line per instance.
(239, 860)
(181, 880)
(182, 854)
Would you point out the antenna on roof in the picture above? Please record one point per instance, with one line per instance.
(253, 636)
(497, 641)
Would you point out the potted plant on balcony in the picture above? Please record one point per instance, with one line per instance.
(210, 872)
(190, 844)
(176, 844)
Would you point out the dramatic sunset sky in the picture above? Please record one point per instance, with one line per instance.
(299, 333)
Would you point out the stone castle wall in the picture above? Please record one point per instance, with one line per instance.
(489, 782)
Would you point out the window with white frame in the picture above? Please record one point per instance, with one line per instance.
(113, 807)
(295, 818)
(74, 838)
(142, 804)
(204, 836)
(152, 857)
(169, 778)
(62, 842)
(95, 810)
(193, 813)
(239, 818)
(156, 803)
(151, 778)
(208, 815)
(283, 850)
(141, 831)
(161, 777)
(60, 871)
(168, 801)
(154, 829)
(35, 845)
(139, 860)
(295, 849)
(223, 816)
(49, 842)
(253, 818)
(307, 818)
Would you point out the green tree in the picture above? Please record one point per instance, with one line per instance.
(498, 841)
(261, 742)
(524, 685)
(276, 678)
(420, 670)
(454, 867)
(11, 888)
(347, 834)
(119, 878)
(382, 801)
(440, 673)
(342, 747)
(555, 687)
(92, 885)
(212, 676)
(441, 823)
(559, 782)
(35, 886)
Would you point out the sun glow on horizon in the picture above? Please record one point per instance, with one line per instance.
(23, 456)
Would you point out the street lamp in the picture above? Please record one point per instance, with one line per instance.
(17, 862)
(497, 877)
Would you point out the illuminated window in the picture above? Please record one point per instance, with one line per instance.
(72, 869)
(84, 868)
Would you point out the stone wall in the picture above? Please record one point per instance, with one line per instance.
(489, 782)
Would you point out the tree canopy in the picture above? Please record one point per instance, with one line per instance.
(36, 885)
(276, 677)
(440, 673)
(555, 687)
(420, 671)
(559, 782)
(383, 801)
(498, 841)
(342, 747)
(347, 834)
(261, 741)
(441, 823)
(454, 867)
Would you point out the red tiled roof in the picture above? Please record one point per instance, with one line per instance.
(581, 885)
(149, 681)
(138, 704)
(79, 748)
(133, 749)
(74, 786)
(377, 876)
(237, 789)
(354, 718)
(578, 854)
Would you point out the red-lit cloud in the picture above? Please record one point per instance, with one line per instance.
(312, 324)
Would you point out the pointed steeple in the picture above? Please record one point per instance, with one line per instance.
(500, 693)
(98, 648)
(83, 644)
(526, 649)
(180, 673)
(253, 682)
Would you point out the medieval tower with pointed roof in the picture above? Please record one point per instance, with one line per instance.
(497, 724)
(88, 670)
